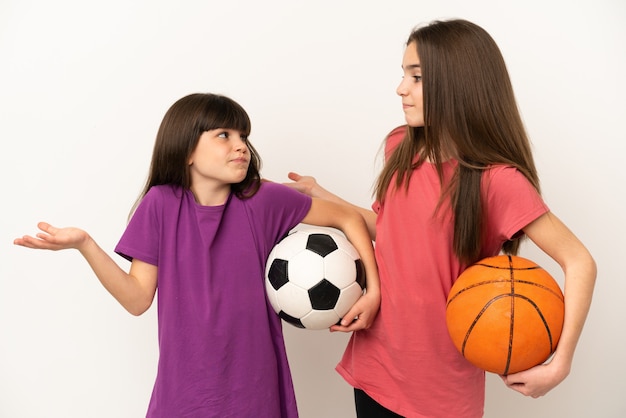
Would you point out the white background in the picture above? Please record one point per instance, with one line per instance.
(84, 85)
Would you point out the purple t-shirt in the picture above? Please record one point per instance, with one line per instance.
(221, 346)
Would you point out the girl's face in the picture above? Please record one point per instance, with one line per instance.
(220, 159)
(410, 88)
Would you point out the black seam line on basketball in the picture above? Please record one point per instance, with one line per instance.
(506, 268)
(543, 318)
(486, 282)
(540, 286)
(471, 328)
(487, 305)
(512, 321)
(477, 318)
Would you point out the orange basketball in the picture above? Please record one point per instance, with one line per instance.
(505, 314)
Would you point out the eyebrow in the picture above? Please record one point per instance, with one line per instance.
(411, 66)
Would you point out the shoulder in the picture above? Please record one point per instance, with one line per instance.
(161, 196)
(276, 194)
(506, 183)
(275, 208)
(394, 138)
(270, 188)
(505, 176)
(164, 192)
(511, 200)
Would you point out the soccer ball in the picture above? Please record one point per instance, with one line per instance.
(313, 277)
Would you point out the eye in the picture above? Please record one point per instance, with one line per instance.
(417, 78)
(223, 134)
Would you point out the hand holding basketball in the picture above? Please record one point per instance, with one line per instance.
(505, 314)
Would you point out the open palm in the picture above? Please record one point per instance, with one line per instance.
(52, 238)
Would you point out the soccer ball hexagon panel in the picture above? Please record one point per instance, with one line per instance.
(313, 277)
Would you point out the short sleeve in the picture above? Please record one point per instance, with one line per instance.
(276, 209)
(512, 202)
(140, 240)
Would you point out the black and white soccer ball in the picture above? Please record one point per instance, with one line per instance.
(313, 277)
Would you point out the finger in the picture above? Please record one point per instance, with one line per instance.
(514, 378)
(20, 241)
(338, 328)
(355, 325)
(352, 315)
(294, 176)
(518, 388)
(30, 242)
(46, 227)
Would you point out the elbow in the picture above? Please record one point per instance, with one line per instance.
(590, 266)
(583, 266)
(137, 311)
(593, 268)
(139, 308)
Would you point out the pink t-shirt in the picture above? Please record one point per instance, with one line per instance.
(406, 360)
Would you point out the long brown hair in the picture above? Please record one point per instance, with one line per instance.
(469, 110)
(180, 131)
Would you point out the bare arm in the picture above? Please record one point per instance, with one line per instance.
(309, 186)
(579, 268)
(348, 220)
(134, 290)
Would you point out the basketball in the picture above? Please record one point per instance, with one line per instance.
(505, 314)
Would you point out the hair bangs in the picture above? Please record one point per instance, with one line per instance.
(223, 112)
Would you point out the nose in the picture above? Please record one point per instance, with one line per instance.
(240, 144)
(401, 90)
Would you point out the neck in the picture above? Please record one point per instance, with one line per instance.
(211, 197)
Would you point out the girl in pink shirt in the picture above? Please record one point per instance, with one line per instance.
(459, 184)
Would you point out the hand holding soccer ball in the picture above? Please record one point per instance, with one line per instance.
(313, 277)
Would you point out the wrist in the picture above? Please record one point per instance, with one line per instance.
(561, 365)
(85, 243)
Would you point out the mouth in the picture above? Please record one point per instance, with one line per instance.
(242, 161)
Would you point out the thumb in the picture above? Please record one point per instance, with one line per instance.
(350, 316)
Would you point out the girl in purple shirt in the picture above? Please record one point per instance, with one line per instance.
(200, 233)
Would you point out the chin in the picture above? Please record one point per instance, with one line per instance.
(412, 124)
